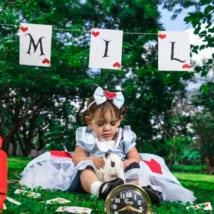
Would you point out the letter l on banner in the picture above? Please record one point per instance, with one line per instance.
(173, 51)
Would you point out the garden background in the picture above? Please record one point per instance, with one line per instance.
(40, 108)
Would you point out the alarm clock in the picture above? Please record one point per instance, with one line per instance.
(128, 199)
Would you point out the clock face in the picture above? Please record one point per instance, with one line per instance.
(127, 199)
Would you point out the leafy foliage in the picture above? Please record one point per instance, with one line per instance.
(41, 108)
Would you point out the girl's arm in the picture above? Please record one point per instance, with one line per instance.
(132, 156)
(80, 154)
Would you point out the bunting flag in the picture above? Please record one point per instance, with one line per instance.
(173, 51)
(106, 49)
(35, 44)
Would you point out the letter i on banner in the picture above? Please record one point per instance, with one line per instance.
(106, 49)
(173, 51)
(35, 44)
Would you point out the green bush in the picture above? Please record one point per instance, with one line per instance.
(189, 168)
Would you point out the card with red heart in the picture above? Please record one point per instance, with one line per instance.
(106, 49)
(173, 51)
(204, 206)
(58, 200)
(35, 44)
(74, 209)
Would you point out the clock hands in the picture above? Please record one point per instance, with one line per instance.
(130, 208)
(128, 198)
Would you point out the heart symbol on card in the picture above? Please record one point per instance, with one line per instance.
(162, 36)
(95, 34)
(1, 141)
(186, 66)
(45, 61)
(110, 95)
(23, 29)
(116, 64)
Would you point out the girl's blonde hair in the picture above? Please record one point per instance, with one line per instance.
(104, 107)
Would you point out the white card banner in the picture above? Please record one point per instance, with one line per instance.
(173, 51)
(106, 49)
(35, 44)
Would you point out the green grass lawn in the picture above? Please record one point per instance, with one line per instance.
(189, 168)
(201, 184)
(194, 177)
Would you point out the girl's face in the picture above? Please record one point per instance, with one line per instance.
(105, 127)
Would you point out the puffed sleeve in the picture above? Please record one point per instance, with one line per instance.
(128, 139)
(85, 139)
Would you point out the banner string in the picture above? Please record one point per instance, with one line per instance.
(87, 31)
(61, 29)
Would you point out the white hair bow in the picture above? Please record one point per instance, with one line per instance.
(101, 96)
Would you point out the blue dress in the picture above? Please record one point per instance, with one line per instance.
(55, 170)
(124, 142)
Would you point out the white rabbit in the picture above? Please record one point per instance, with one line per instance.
(113, 168)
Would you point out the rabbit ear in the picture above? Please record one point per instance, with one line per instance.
(107, 155)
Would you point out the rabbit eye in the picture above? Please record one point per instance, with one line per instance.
(112, 164)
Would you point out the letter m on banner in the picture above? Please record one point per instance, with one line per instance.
(35, 44)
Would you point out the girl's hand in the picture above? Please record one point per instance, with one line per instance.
(98, 162)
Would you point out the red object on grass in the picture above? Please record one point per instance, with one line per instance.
(1, 141)
(3, 178)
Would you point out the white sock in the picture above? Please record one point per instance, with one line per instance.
(94, 189)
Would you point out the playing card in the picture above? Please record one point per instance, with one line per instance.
(58, 200)
(13, 201)
(28, 194)
(35, 44)
(173, 51)
(72, 209)
(12, 181)
(204, 206)
(106, 49)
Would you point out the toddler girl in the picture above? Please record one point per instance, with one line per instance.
(102, 134)
(77, 171)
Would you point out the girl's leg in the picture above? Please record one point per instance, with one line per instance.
(87, 178)
(91, 184)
